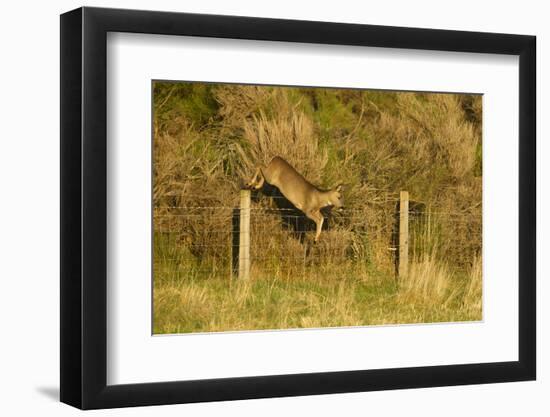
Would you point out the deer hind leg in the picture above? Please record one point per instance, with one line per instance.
(257, 180)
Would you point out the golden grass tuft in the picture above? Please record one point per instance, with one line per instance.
(473, 296)
(427, 281)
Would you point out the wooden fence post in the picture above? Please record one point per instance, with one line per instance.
(244, 236)
(403, 233)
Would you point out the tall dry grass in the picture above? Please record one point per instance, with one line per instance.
(327, 296)
(473, 295)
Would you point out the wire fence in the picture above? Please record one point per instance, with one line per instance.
(204, 240)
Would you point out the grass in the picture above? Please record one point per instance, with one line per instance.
(188, 300)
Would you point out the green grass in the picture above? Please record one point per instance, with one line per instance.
(189, 301)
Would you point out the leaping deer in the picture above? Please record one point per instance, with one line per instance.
(299, 191)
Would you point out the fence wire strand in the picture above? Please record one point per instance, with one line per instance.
(205, 238)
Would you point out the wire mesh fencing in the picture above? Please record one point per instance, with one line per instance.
(204, 241)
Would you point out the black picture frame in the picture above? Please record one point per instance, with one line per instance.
(84, 207)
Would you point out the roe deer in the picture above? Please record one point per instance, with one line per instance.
(299, 191)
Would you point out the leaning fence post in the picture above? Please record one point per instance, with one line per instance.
(403, 233)
(244, 236)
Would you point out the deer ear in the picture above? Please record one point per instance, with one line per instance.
(339, 187)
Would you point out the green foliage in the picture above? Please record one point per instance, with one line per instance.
(175, 102)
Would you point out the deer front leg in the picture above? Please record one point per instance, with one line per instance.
(319, 227)
(318, 218)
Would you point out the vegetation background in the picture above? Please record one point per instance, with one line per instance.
(209, 137)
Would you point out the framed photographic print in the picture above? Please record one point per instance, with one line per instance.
(257, 208)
